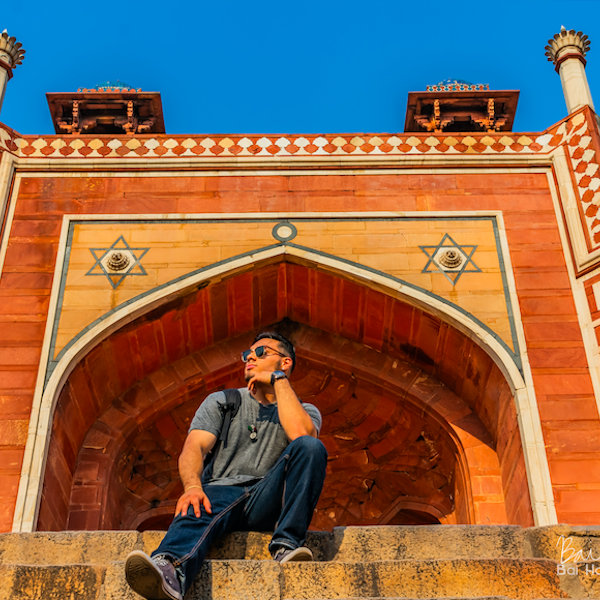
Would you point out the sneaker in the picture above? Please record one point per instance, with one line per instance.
(283, 554)
(153, 578)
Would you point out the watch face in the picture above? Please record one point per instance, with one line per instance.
(277, 375)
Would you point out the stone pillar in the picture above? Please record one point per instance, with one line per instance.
(567, 51)
(11, 55)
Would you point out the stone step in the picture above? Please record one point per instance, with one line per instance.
(522, 579)
(345, 544)
(431, 542)
(514, 578)
(68, 547)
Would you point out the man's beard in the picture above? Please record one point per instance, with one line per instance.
(248, 374)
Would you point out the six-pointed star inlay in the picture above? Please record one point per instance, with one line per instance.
(450, 259)
(118, 261)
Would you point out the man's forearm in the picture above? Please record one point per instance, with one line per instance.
(295, 421)
(191, 465)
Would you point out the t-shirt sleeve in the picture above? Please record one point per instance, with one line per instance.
(209, 416)
(315, 415)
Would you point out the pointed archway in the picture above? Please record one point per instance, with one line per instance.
(418, 416)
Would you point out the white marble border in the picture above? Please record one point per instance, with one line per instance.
(536, 462)
(528, 415)
(7, 202)
(254, 164)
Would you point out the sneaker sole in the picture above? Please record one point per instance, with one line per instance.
(145, 579)
(298, 555)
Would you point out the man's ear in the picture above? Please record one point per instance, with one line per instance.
(286, 365)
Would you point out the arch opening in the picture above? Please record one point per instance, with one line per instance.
(430, 419)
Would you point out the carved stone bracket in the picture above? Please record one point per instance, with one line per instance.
(129, 127)
(434, 123)
(75, 115)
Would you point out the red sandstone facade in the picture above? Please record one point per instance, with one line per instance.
(469, 399)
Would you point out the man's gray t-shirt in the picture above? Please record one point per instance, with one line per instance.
(245, 459)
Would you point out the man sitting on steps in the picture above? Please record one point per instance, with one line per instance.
(266, 475)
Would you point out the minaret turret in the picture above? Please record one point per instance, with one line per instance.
(567, 51)
(11, 55)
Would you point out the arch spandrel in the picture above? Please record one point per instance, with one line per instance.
(408, 249)
(195, 321)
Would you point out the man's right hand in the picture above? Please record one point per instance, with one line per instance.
(195, 497)
(198, 443)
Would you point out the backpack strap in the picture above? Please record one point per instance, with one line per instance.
(233, 400)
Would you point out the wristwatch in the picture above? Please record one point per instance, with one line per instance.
(276, 376)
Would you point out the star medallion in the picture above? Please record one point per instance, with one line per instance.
(450, 259)
(117, 262)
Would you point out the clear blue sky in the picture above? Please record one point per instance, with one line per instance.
(290, 66)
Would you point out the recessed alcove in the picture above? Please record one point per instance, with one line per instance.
(419, 421)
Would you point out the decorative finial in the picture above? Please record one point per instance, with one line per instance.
(567, 43)
(11, 51)
(567, 51)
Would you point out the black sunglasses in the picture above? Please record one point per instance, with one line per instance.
(260, 352)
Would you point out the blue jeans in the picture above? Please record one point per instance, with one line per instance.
(283, 501)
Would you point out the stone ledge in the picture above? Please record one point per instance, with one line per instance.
(515, 578)
(27, 582)
(522, 579)
(68, 547)
(345, 544)
(427, 542)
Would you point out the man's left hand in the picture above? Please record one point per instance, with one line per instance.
(260, 377)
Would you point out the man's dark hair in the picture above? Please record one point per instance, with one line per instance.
(285, 345)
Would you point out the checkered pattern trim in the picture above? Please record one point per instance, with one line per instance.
(149, 146)
(581, 149)
(276, 146)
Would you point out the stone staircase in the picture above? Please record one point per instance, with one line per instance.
(392, 562)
